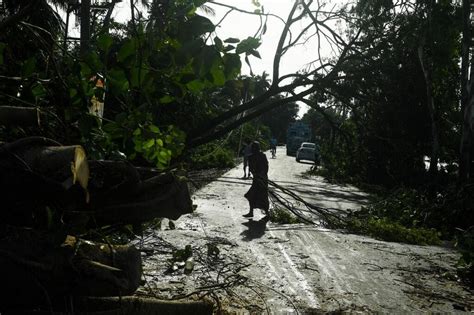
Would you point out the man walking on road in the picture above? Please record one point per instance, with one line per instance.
(273, 146)
(258, 192)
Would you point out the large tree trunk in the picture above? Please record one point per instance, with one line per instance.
(19, 116)
(467, 99)
(465, 159)
(427, 73)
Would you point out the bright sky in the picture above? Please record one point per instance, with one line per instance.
(241, 25)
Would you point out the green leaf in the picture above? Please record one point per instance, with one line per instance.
(72, 92)
(104, 41)
(248, 44)
(93, 61)
(218, 43)
(86, 72)
(255, 53)
(199, 25)
(154, 129)
(232, 66)
(195, 85)
(118, 81)
(218, 74)
(38, 90)
(159, 142)
(29, 67)
(137, 132)
(208, 57)
(127, 49)
(231, 40)
(149, 143)
(228, 48)
(137, 76)
(166, 99)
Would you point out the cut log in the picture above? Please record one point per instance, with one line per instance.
(36, 173)
(67, 164)
(103, 269)
(164, 196)
(19, 116)
(113, 182)
(33, 269)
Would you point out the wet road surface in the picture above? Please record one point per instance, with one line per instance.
(268, 267)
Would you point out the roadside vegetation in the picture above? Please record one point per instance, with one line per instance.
(391, 108)
(397, 127)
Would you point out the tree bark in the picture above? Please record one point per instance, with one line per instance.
(427, 73)
(163, 196)
(467, 101)
(66, 164)
(19, 116)
(467, 134)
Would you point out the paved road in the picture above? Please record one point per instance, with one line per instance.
(302, 268)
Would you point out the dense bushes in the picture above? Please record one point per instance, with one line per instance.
(212, 155)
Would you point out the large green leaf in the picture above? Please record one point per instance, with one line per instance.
(166, 99)
(127, 49)
(38, 90)
(196, 85)
(218, 73)
(198, 25)
(93, 61)
(118, 81)
(232, 65)
(247, 45)
(104, 41)
(86, 71)
(218, 43)
(231, 40)
(137, 76)
(29, 67)
(203, 62)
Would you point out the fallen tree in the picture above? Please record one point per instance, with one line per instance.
(51, 193)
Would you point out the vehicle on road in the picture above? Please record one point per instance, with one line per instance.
(297, 133)
(308, 151)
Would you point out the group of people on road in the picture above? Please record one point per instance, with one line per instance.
(256, 163)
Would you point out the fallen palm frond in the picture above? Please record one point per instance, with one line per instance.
(291, 201)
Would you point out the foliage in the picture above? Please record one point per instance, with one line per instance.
(387, 230)
(162, 79)
(212, 155)
(279, 119)
(378, 127)
(402, 215)
(417, 215)
(283, 216)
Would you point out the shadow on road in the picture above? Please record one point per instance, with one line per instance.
(256, 229)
